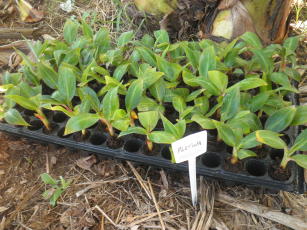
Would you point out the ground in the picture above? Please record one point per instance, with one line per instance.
(110, 194)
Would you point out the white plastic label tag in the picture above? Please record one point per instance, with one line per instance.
(187, 149)
(190, 146)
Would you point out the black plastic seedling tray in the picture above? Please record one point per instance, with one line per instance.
(214, 164)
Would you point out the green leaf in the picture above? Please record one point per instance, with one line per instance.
(207, 61)
(270, 138)
(86, 93)
(188, 78)
(283, 80)
(226, 133)
(148, 41)
(67, 84)
(231, 104)
(181, 127)
(87, 30)
(301, 160)
(161, 137)
(47, 73)
(161, 36)
(120, 71)
(13, 117)
(300, 117)
(70, 31)
(149, 119)
(201, 104)
(250, 83)
(205, 123)
(204, 83)
(194, 95)
(245, 153)
(258, 101)
(55, 196)
(179, 103)
(102, 39)
(192, 55)
(171, 70)
(264, 60)
(249, 141)
(157, 90)
(147, 55)
(219, 79)
(134, 94)
(27, 103)
(47, 179)
(300, 143)
(281, 119)
(291, 43)
(252, 39)
(110, 103)
(150, 76)
(133, 130)
(80, 122)
(125, 38)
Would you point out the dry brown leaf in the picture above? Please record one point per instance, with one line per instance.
(28, 13)
(87, 162)
(3, 209)
(226, 4)
(8, 55)
(76, 218)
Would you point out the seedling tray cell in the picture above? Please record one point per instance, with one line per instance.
(213, 164)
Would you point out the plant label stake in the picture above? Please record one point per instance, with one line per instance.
(187, 149)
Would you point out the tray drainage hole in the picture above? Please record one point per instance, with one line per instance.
(256, 168)
(277, 155)
(35, 125)
(59, 117)
(211, 160)
(132, 146)
(166, 153)
(61, 133)
(98, 139)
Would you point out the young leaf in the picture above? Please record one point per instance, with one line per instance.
(179, 103)
(134, 94)
(207, 61)
(252, 40)
(219, 79)
(264, 60)
(283, 80)
(171, 70)
(161, 36)
(300, 143)
(133, 130)
(250, 83)
(55, 196)
(300, 117)
(149, 120)
(110, 103)
(258, 101)
(281, 119)
(291, 43)
(205, 123)
(201, 104)
(157, 90)
(125, 38)
(188, 78)
(301, 160)
(87, 30)
(86, 93)
(161, 137)
(27, 103)
(270, 138)
(245, 153)
(120, 71)
(80, 122)
(67, 84)
(249, 141)
(226, 133)
(231, 104)
(192, 55)
(70, 31)
(47, 179)
(148, 41)
(12, 116)
(47, 73)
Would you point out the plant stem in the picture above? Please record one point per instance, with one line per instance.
(109, 126)
(133, 116)
(285, 159)
(149, 145)
(234, 158)
(40, 115)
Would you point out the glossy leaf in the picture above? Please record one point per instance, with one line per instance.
(231, 104)
(300, 117)
(218, 79)
(70, 31)
(179, 104)
(252, 39)
(13, 117)
(281, 119)
(80, 122)
(291, 43)
(270, 138)
(120, 71)
(67, 84)
(205, 123)
(251, 83)
(47, 73)
(134, 94)
(110, 103)
(207, 61)
(301, 160)
(47, 179)
(192, 55)
(133, 130)
(149, 119)
(264, 60)
(201, 104)
(125, 38)
(300, 143)
(161, 137)
(226, 134)
(27, 103)
(258, 101)
(249, 141)
(245, 153)
(157, 90)
(147, 55)
(161, 36)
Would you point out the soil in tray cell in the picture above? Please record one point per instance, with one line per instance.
(114, 142)
(81, 137)
(133, 145)
(154, 152)
(236, 168)
(52, 127)
(278, 173)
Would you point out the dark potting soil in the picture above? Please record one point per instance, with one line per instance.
(114, 142)
(53, 126)
(153, 152)
(80, 137)
(236, 168)
(278, 173)
(46, 90)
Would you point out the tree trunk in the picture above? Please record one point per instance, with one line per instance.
(227, 19)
